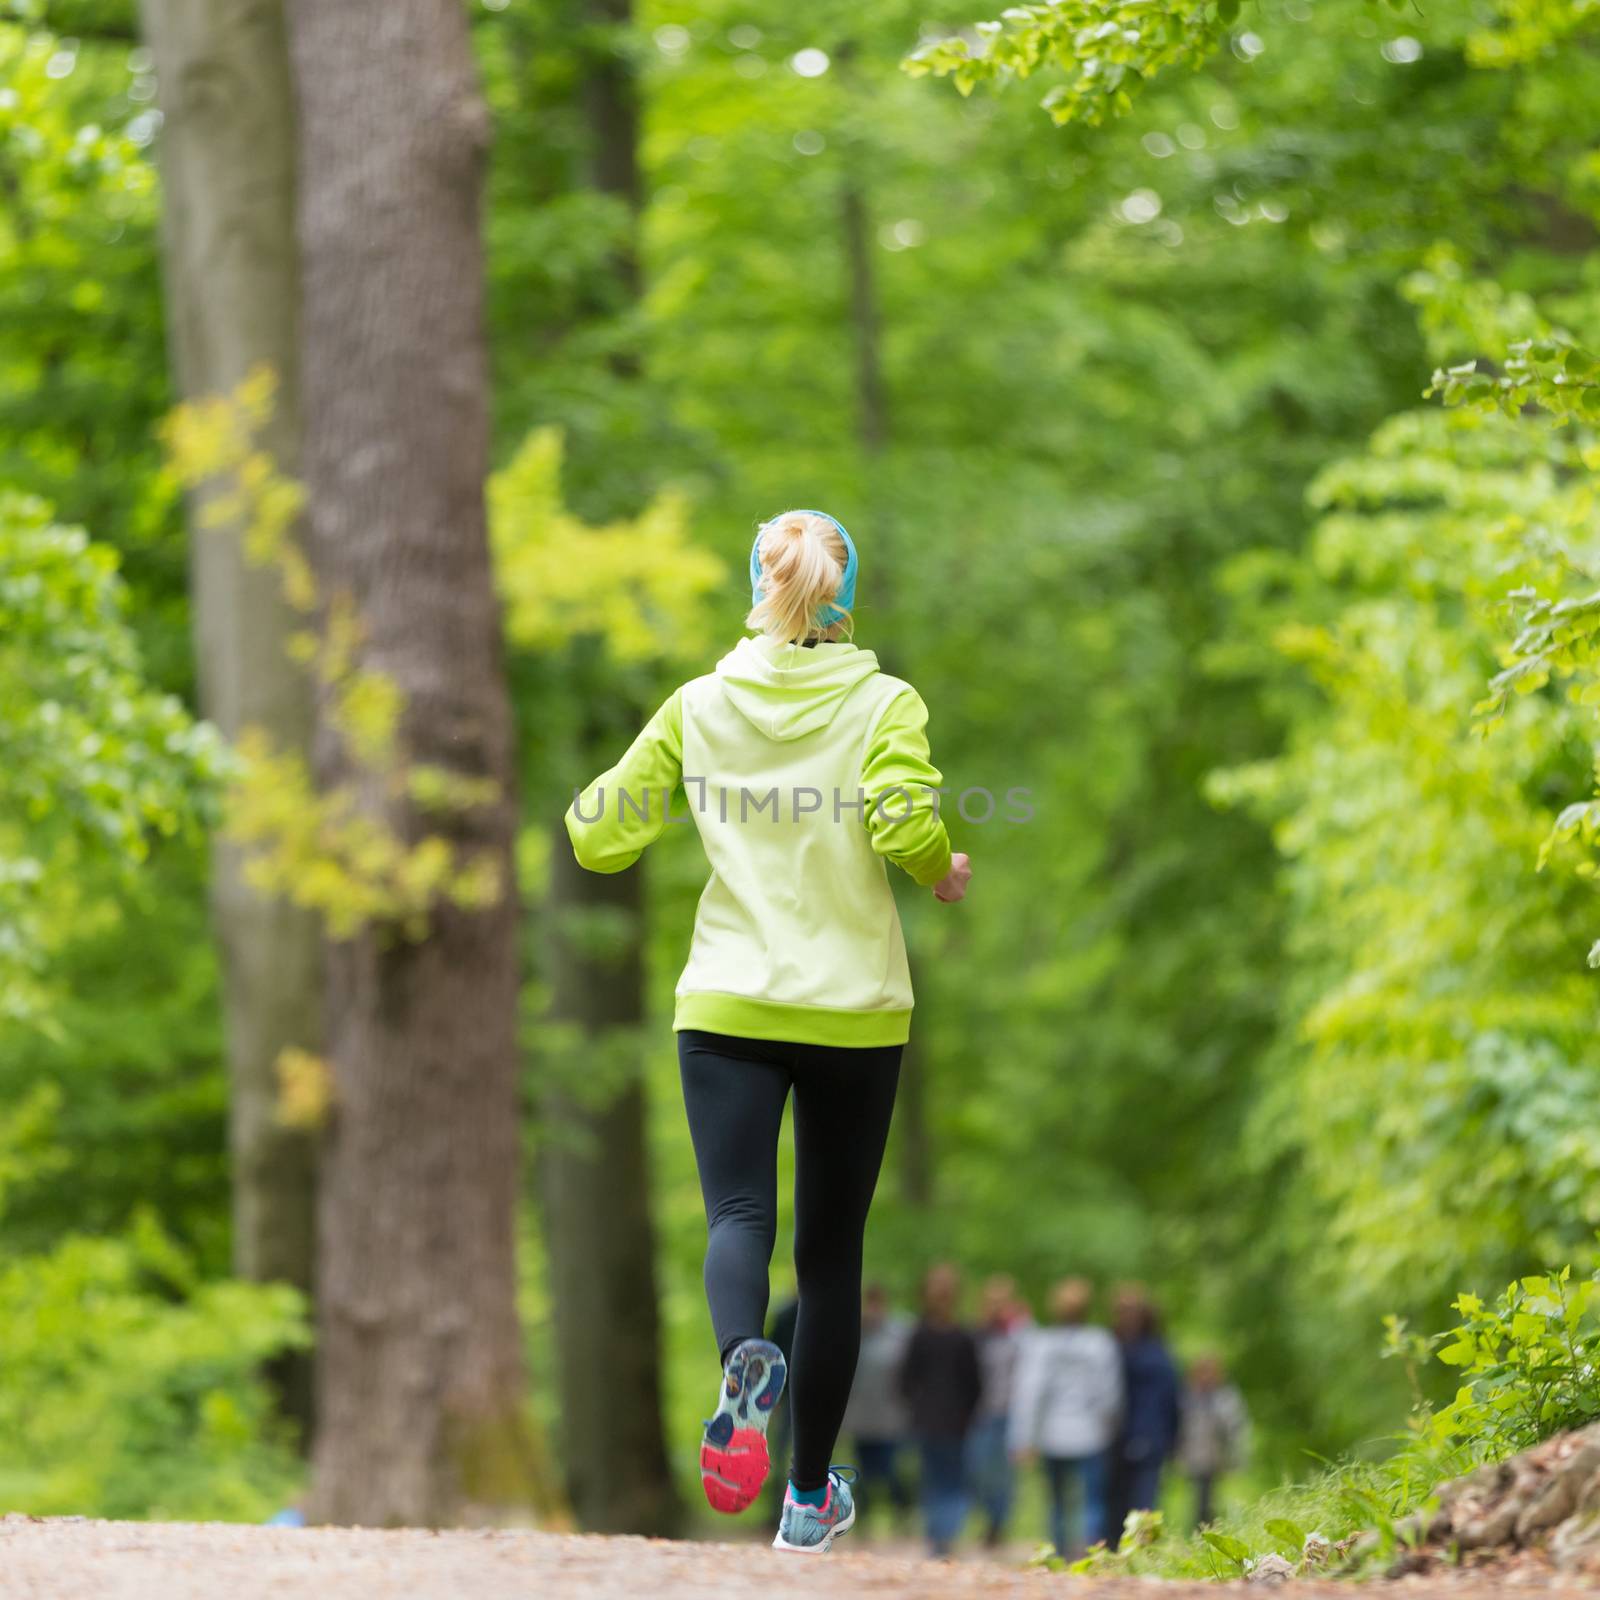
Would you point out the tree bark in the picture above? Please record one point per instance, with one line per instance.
(594, 1180)
(232, 293)
(419, 1360)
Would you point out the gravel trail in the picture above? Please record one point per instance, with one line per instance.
(70, 1559)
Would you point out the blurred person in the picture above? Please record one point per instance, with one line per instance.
(796, 981)
(1214, 1436)
(1065, 1414)
(941, 1382)
(875, 1419)
(1152, 1409)
(1003, 1320)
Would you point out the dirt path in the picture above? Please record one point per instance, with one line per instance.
(79, 1560)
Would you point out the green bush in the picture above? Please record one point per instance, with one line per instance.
(1531, 1359)
(130, 1387)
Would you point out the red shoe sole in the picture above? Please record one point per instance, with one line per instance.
(732, 1474)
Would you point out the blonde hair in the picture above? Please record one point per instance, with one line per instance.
(802, 565)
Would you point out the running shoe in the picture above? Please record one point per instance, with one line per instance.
(811, 1530)
(733, 1453)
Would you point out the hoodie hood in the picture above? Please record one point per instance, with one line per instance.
(786, 691)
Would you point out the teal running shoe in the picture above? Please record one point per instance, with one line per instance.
(810, 1530)
(733, 1452)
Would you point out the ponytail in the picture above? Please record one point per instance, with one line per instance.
(802, 558)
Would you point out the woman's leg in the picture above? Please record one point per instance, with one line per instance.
(843, 1101)
(734, 1093)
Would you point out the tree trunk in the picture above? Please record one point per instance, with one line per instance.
(872, 411)
(227, 166)
(419, 1362)
(913, 1133)
(594, 1183)
(594, 1180)
(611, 109)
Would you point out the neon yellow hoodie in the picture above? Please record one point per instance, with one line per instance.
(804, 769)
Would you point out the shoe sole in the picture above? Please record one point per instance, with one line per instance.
(734, 1461)
(780, 1543)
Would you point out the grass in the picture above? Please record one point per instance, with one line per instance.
(1312, 1524)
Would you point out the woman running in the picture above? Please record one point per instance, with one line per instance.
(804, 768)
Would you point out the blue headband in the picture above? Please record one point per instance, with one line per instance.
(843, 601)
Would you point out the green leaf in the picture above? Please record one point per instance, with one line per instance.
(1289, 1535)
(1235, 1550)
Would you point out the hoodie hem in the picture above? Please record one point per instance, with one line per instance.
(741, 1017)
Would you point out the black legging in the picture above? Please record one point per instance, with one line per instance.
(734, 1091)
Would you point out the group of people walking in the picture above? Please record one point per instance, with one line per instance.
(1100, 1410)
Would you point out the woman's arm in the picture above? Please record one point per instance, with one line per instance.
(901, 785)
(625, 808)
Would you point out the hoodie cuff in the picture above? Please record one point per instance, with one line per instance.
(929, 866)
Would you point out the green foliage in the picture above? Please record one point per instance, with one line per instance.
(1437, 1073)
(1109, 49)
(1311, 1527)
(127, 1043)
(638, 586)
(338, 851)
(1530, 1360)
(327, 851)
(94, 763)
(1321, 1049)
(1557, 608)
(1106, 48)
(1553, 373)
(1526, 30)
(131, 1386)
(82, 372)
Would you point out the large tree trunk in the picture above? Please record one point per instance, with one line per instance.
(232, 290)
(594, 1179)
(419, 1361)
